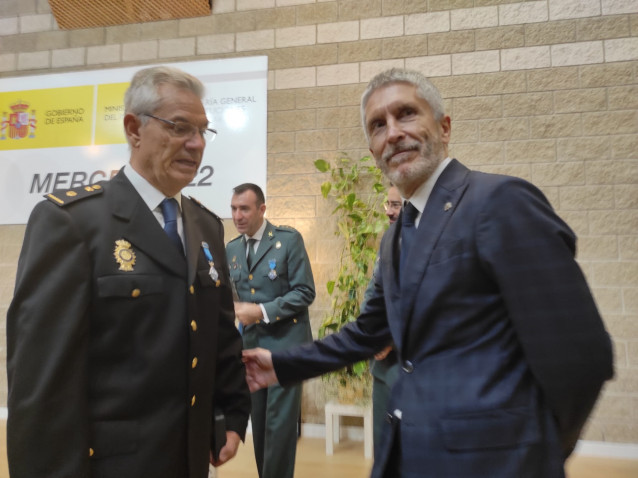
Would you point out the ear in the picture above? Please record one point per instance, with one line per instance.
(262, 209)
(132, 126)
(446, 129)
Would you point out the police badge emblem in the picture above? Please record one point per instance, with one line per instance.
(124, 255)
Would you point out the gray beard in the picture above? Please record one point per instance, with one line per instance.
(418, 172)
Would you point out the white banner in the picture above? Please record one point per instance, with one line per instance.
(65, 130)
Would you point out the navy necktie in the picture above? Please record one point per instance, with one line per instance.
(251, 252)
(408, 231)
(169, 211)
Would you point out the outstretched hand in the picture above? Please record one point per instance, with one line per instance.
(260, 372)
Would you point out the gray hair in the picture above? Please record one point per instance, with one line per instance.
(424, 89)
(142, 95)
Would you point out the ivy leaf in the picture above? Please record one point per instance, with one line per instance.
(330, 285)
(359, 368)
(322, 165)
(325, 189)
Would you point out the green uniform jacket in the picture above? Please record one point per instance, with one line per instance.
(281, 280)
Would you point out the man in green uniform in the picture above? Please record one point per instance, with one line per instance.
(271, 272)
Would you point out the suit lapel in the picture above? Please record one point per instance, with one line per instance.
(440, 207)
(193, 235)
(141, 227)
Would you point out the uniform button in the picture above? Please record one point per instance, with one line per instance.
(278, 318)
(193, 401)
(135, 293)
(194, 362)
(91, 452)
(408, 367)
(194, 325)
(252, 291)
(191, 289)
(250, 277)
(294, 321)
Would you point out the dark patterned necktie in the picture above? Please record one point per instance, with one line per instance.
(408, 231)
(169, 208)
(251, 252)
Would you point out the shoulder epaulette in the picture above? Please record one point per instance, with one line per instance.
(285, 228)
(196, 201)
(64, 197)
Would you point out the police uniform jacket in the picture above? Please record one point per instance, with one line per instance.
(118, 347)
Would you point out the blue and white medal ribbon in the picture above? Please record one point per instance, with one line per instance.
(272, 275)
(209, 257)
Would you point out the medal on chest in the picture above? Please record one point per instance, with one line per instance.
(272, 274)
(209, 257)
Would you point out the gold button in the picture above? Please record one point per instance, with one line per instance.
(97, 186)
(250, 277)
(194, 363)
(194, 325)
(278, 318)
(135, 293)
(218, 283)
(91, 452)
(252, 291)
(294, 320)
(259, 321)
(193, 401)
(192, 289)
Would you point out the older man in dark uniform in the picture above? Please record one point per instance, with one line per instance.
(120, 336)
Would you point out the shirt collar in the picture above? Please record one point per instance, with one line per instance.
(420, 197)
(259, 234)
(151, 196)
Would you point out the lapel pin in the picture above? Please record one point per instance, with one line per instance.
(448, 206)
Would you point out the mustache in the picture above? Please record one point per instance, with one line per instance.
(399, 148)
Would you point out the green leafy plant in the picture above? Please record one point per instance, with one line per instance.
(356, 187)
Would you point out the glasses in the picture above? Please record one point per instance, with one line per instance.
(186, 130)
(395, 205)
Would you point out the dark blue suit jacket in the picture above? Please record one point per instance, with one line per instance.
(502, 347)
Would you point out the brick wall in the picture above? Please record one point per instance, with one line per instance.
(546, 90)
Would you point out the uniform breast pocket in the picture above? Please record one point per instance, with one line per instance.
(133, 286)
(235, 275)
(275, 267)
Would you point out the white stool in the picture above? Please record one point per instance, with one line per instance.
(335, 410)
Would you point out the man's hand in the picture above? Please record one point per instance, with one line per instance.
(247, 313)
(383, 353)
(260, 372)
(228, 451)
